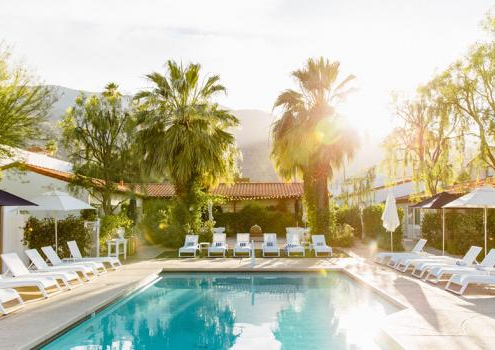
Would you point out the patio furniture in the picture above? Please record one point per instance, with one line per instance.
(464, 280)
(44, 284)
(190, 246)
(320, 246)
(436, 273)
(270, 245)
(18, 269)
(243, 245)
(8, 295)
(76, 256)
(294, 244)
(98, 268)
(219, 245)
(115, 243)
(383, 256)
(468, 259)
(42, 266)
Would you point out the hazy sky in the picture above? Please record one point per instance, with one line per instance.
(254, 44)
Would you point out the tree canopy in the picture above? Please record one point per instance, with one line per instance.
(310, 138)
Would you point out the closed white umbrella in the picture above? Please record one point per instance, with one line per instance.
(480, 198)
(390, 217)
(55, 202)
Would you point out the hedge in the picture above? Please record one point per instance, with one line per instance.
(41, 232)
(462, 230)
(350, 216)
(374, 230)
(269, 220)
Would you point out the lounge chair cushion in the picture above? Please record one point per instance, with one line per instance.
(460, 263)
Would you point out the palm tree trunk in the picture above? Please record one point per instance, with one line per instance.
(322, 224)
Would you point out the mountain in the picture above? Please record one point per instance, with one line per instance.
(252, 136)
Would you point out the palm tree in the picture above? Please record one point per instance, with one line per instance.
(310, 138)
(184, 133)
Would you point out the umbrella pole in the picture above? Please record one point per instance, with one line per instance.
(391, 242)
(485, 230)
(56, 235)
(443, 231)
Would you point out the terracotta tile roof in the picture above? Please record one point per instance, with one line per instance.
(61, 175)
(236, 191)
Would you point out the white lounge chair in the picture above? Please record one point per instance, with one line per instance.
(320, 245)
(243, 245)
(462, 281)
(382, 257)
(219, 245)
(190, 246)
(270, 245)
(7, 296)
(294, 243)
(47, 285)
(98, 268)
(17, 268)
(468, 259)
(436, 273)
(42, 266)
(405, 262)
(76, 256)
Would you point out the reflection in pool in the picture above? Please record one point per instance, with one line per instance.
(237, 311)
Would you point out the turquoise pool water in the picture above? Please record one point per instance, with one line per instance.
(237, 311)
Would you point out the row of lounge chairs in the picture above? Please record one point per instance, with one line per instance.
(49, 280)
(459, 273)
(244, 248)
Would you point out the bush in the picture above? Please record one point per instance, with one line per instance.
(431, 228)
(462, 230)
(373, 228)
(342, 236)
(109, 225)
(350, 216)
(154, 220)
(41, 232)
(253, 214)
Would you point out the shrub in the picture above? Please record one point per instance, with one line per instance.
(431, 228)
(253, 214)
(41, 232)
(373, 227)
(154, 220)
(462, 230)
(350, 216)
(342, 236)
(110, 223)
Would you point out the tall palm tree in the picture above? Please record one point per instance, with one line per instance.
(310, 138)
(184, 133)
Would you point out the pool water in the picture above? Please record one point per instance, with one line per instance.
(237, 311)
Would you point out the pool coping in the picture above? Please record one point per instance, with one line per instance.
(383, 336)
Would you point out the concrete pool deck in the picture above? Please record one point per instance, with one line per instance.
(432, 319)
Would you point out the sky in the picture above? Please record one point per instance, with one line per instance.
(389, 45)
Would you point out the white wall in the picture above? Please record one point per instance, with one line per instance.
(28, 185)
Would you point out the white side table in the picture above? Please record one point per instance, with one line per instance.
(117, 242)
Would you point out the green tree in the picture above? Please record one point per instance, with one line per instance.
(24, 104)
(310, 138)
(184, 135)
(98, 136)
(424, 141)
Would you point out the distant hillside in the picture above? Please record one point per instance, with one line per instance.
(252, 136)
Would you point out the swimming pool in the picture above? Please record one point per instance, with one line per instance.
(237, 311)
